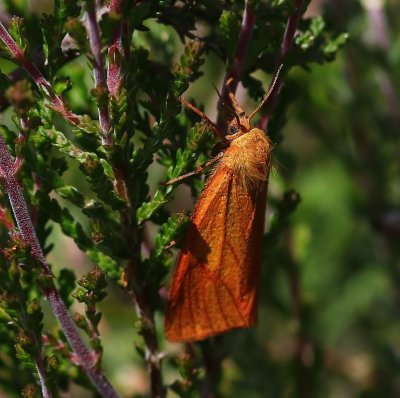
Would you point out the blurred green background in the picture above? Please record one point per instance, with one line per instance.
(329, 319)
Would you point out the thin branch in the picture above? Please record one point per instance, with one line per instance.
(57, 103)
(152, 355)
(38, 357)
(40, 368)
(42, 376)
(39, 364)
(290, 30)
(233, 74)
(114, 79)
(107, 84)
(144, 311)
(213, 359)
(114, 82)
(287, 42)
(212, 362)
(98, 71)
(15, 194)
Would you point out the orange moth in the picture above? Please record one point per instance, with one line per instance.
(215, 283)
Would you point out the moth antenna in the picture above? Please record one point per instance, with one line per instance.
(271, 89)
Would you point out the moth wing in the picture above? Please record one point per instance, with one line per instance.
(215, 282)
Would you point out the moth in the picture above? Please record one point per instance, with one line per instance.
(216, 279)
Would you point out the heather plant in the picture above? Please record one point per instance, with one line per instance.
(93, 127)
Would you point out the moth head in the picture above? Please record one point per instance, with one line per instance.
(237, 126)
(241, 123)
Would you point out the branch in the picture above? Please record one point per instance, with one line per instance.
(233, 74)
(57, 103)
(38, 357)
(287, 42)
(212, 363)
(212, 360)
(152, 354)
(15, 194)
(98, 70)
(109, 84)
(144, 311)
(42, 375)
(114, 53)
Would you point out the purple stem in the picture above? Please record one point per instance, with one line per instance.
(233, 74)
(42, 376)
(98, 70)
(38, 357)
(114, 79)
(15, 193)
(290, 30)
(211, 359)
(18, 55)
(287, 42)
(144, 311)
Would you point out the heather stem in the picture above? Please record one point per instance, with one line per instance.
(15, 194)
(98, 70)
(38, 360)
(109, 84)
(152, 354)
(18, 55)
(212, 360)
(146, 315)
(42, 377)
(287, 42)
(143, 309)
(38, 357)
(233, 74)
(114, 54)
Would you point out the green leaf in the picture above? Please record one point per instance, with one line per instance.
(229, 24)
(333, 46)
(170, 231)
(72, 194)
(100, 179)
(147, 209)
(108, 265)
(66, 282)
(18, 31)
(62, 84)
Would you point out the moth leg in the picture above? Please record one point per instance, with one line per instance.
(197, 170)
(215, 129)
